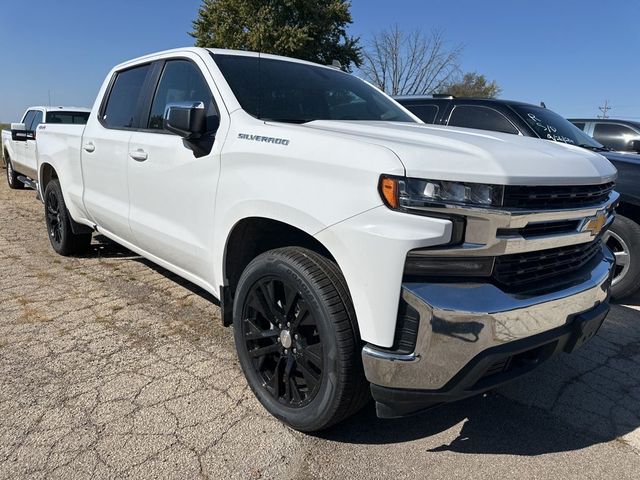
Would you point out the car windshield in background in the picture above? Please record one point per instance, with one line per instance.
(294, 92)
(78, 118)
(550, 125)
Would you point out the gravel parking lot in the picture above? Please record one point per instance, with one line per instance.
(112, 367)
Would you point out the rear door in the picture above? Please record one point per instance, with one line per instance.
(105, 151)
(172, 191)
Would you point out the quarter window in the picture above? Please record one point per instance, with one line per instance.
(580, 125)
(482, 118)
(181, 81)
(615, 136)
(126, 92)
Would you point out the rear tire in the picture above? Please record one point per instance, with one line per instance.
(58, 220)
(12, 177)
(623, 238)
(297, 340)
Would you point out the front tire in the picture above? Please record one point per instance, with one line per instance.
(12, 177)
(295, 333)
(623, 238)
(58, 220)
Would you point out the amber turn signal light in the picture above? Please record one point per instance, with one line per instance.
(389, 191)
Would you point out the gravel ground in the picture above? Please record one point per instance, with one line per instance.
(111, 367)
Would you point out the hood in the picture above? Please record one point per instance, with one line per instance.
(461, 154)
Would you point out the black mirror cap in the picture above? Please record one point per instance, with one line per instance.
(634, 145)
(189, 120)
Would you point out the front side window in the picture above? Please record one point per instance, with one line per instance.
(28, 119)
(181, 81)
(615, 136)
(294, 92)
(77, 118)
(482, 118)
(426, 113)
(551, 126)
(122, 105)
(37, 120)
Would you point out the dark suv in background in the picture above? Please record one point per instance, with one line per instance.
(518, 118)
(618, 135)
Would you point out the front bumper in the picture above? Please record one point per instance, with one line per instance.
(472, 337)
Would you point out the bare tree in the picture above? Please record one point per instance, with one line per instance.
(403, 63)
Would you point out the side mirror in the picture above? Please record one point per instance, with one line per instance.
(18, 132)
(634, 145)
(189, 119)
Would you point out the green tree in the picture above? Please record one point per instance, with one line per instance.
(473, 84)
(314, 30)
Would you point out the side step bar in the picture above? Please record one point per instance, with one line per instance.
(29, 184)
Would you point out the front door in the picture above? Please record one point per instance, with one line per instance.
(172, 192)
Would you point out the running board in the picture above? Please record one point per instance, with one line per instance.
(28, 182)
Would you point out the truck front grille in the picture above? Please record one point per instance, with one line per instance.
(556, 197)
(523, 269)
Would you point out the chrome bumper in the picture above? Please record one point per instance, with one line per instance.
(460, 321)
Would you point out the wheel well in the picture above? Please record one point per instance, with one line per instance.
(249, 238)
(47, 172)
(630, 211)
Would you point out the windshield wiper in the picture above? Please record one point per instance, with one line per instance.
(288, 120)
(594, 147)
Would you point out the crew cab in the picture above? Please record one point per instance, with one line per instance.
(519, 118)
(355, 250)
(19, 145)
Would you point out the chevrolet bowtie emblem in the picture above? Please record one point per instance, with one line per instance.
(595, 224)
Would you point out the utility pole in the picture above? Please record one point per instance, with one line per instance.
(604, 110)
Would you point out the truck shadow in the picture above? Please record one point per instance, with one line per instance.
(571, 402)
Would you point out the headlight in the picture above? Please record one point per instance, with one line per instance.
(407, 193)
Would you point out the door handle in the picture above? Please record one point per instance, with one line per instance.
(139, 155)
(89, 147)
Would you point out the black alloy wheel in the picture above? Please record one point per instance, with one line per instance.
(282, 339)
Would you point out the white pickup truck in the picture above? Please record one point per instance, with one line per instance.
(19, 143)
(355, 250)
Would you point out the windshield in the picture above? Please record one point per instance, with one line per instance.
(295, 92)
(67, 117)
(550, 125)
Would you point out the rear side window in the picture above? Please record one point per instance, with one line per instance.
(37, 120)
(615, 136)
(181, 81)
(426, 113)
(78, 118)
(122, 105)
(482, 118)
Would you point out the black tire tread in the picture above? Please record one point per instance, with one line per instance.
(630, 231)
(72, 243)
(353, 388)
(13, 182)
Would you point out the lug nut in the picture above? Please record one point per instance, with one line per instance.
(295, 351)
(286, 351)
(288, 324)
(296, 336)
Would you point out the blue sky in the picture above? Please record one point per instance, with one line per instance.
(572, 54)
